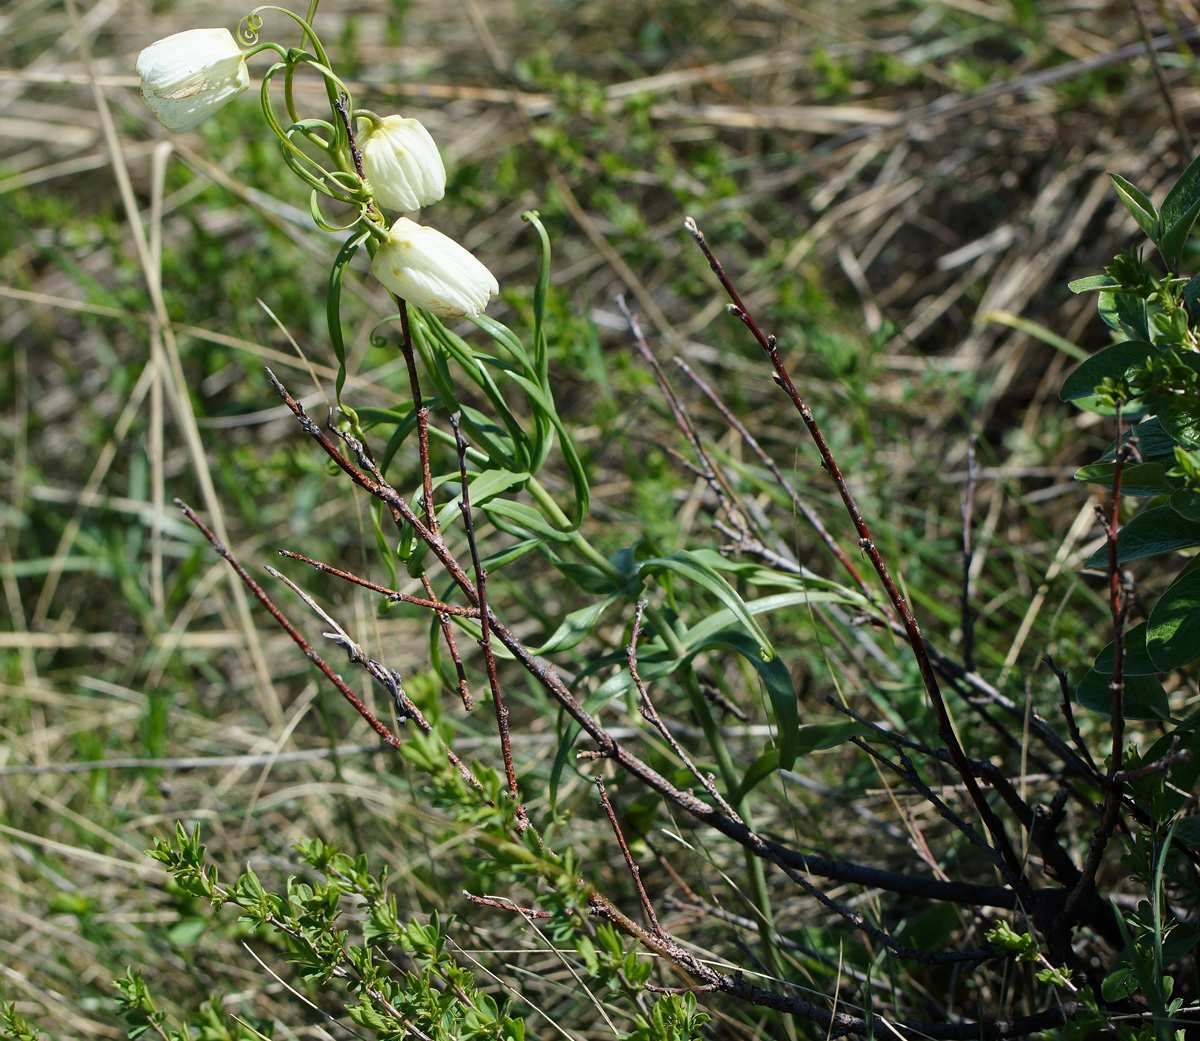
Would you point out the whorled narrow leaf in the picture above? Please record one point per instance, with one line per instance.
(687, 566)
(333, 302)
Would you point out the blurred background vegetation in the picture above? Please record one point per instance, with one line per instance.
(902, 191)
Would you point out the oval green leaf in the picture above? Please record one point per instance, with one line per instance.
(1160, 530)
(1119, 362)
(1173, 629)
(1144, 696)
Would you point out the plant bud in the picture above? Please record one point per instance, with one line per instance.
(188, 76)
(402, 163)
(432, 271)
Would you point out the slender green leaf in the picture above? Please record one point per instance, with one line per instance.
(1175, 238)
(687, 566)
(576, 626)
(333, 302)
(1037, 331)
(540, 290)
(481, 488)
(1093, 283)
(528, 518)
(1160, 530)
(1120, 362)
(776, 680)
(1182, 197)
(497, 560)
(1141, 207)
(1174, 625)
(758, 771)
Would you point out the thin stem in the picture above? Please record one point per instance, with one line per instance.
(422, 414)
(650, 714)
(464, 688)
(432, 603)
(968, 511)
(485, 638)
(1111, 813)
(634, 871)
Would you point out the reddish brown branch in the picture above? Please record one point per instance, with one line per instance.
(433, 604)
(464, 688)
(545, 674)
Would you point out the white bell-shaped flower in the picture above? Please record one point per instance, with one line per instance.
(432, 271)
(188, 76)
(402, 163)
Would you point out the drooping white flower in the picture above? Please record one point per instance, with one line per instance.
(402, 163)
(188, 76)
(432, 271)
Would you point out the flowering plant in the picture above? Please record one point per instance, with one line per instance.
(492, 454)
(189, 76)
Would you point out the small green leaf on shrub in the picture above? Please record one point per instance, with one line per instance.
(1175, 237)
(1144, 696)
(1137, 658)
(1138, 205)
(1182, 198)
(1139, 479)
(1160, 530)
(1186, 502)
(1153, 442)
(1180, 418)
(1092, 283)
(1173, 630)
(1119, 362)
